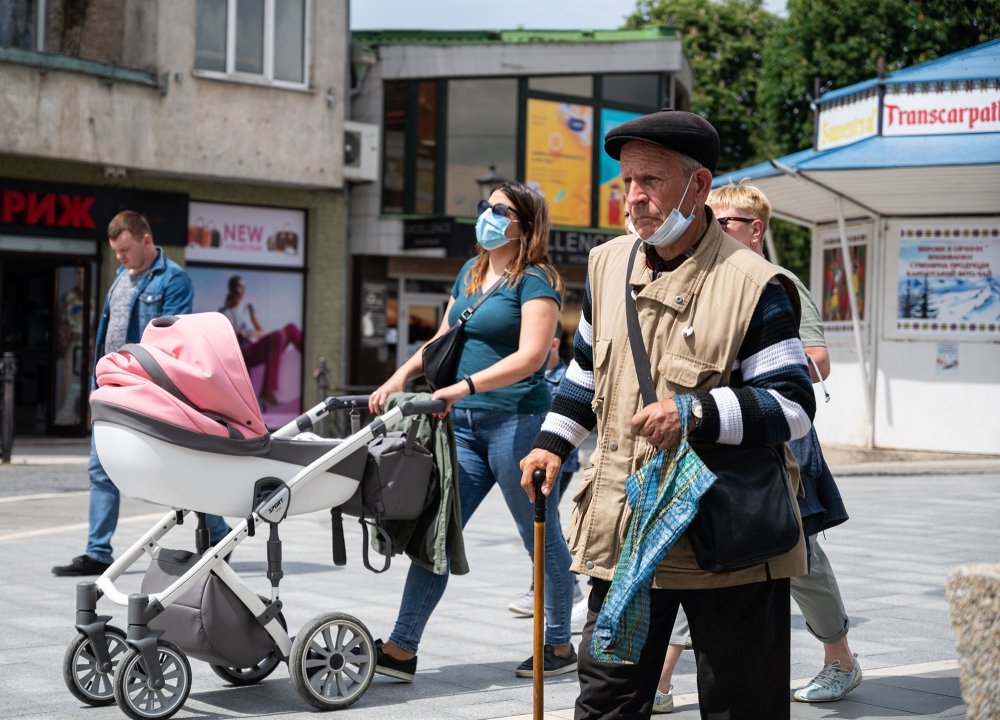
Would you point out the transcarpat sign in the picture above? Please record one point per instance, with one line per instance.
(952, 112)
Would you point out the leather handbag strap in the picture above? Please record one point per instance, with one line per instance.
(467, 313)
(639, 356)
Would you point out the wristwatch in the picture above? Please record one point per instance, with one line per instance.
(696, 411)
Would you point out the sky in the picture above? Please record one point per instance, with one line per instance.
(509, 15)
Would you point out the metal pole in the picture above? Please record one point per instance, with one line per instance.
(849, 272)
(8, 370)
(322, 376)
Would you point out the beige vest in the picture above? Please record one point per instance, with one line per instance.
(715, 292)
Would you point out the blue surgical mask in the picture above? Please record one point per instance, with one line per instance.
(491, 230)
(674, 226)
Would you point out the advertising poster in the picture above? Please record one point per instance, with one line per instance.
(266, 311)
(243, 235)
(836, 303)
(948, 280)
(611, 190)
(559, 149)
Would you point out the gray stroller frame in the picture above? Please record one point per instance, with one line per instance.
(332, 659)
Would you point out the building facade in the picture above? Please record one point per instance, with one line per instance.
(222, 122)
(439, 117)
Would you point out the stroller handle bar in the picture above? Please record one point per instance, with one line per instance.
(313, 415)
(423, 407)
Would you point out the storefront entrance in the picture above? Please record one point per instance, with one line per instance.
(47, 320)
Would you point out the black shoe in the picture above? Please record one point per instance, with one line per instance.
(387, 665)
(553, 664)
(80, 566)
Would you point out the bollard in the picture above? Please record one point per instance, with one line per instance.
(322, 376)
(8, 370)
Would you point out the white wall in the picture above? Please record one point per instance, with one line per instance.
(918, 405)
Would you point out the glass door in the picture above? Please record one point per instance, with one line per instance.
(73, 332)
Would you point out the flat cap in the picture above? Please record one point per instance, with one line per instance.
(676, 130)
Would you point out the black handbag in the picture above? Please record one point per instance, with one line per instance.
(396, 485)
(747, 516)
(440, 355)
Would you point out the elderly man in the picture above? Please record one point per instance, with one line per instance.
(720, 329)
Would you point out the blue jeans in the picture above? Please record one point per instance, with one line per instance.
(490, 446)
(105, 502)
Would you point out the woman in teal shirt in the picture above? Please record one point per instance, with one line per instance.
(498, 401)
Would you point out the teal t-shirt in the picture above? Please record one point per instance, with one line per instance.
(494, 332)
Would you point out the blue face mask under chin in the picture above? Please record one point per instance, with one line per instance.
(491, 230)
(674, 226)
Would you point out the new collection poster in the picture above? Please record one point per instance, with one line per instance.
(559, 149)
(245, 235)
(947, 280)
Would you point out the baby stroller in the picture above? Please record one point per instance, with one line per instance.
(176, 422)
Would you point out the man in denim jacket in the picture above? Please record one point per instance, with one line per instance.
(147, 285)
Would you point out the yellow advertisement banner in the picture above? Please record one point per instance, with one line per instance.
(558, 159)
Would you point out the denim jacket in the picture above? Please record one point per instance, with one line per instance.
(165, 290)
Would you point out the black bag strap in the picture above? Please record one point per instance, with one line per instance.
(153, 369)
(383, 537)
(467, 313)
(640, 357)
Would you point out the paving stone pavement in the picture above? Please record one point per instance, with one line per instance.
(906, 533)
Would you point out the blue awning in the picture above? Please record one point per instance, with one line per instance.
(911, 176)
(981, 62)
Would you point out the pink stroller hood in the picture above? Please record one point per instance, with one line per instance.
(201, 357)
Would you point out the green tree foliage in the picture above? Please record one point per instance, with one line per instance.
(722, 41)
(839, 42)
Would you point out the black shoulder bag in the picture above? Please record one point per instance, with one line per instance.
(441, 354)
(747, 516)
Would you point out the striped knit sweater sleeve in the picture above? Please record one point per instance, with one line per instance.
(768, 401)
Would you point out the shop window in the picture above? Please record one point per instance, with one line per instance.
(581, 86)
(639, 90)
(394, 148)
(426, 148)
(252, 39)
(482, 131)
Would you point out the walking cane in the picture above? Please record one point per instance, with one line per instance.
(538, 655)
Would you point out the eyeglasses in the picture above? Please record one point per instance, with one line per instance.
(724, 221)
(499, 209)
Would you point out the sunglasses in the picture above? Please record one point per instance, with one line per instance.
(724, 221)
(499, 209)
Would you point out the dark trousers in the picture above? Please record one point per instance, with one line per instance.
(741, 639)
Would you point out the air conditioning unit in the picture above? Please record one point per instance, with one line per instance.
(361, 151)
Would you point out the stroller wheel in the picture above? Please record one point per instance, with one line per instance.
(332, 662)
(141, 702)
(255, 674)
(84, 680)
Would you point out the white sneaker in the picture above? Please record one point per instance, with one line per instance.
(831, 684)
(524, 606)
(664, 702)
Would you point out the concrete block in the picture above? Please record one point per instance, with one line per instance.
(974, 603)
